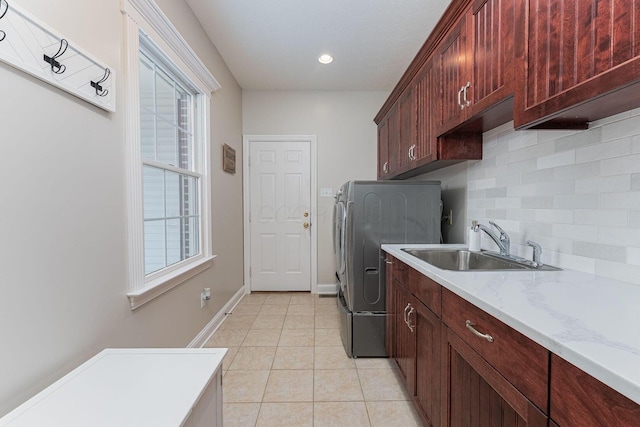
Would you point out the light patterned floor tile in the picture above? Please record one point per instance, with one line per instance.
(332, 358)
(228, 358)
(328, 338)
(293, 358)
(246, 309)
(273, 309)
(299, 322)
(278, 298)
(347, 414)
(301, 309)
(327, 322)
(382, 384)
(326, 300)
(285, 414)
(244, 386)
(240, 414)
(326, 310)
(268, 322)
(289, 386)
(296, 338)
(375, 363)
(336, 386)
(238, 321)
(262, 338)
(255, 298)
(227, 338)
(302, 298)
(398, 413)
(253, 358)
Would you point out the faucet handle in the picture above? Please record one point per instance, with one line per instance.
(537, 251)
(503, 234)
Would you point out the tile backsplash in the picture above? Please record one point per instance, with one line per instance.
(577, 193)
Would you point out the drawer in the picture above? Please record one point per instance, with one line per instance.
(426, 290)
(520, 360)
(577, 398)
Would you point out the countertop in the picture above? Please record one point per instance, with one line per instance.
(590, 321)
(124, 387)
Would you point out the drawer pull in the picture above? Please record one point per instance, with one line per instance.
(411, 327)
(406, 309)
(470, 326)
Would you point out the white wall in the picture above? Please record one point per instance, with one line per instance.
(576, 193)
(346, 138)
(63, 250)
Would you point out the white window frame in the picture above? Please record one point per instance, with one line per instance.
(143, 18)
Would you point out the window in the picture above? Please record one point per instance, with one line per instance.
(167, 119)
(171, 182)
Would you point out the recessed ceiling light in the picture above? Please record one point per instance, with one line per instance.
(325, 59)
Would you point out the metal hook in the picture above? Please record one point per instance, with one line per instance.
(98, 87)
(57, 67)
(2, 13)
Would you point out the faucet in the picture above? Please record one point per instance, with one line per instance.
(503, 241)
(537, 252)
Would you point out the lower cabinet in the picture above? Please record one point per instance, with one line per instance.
(478, 395)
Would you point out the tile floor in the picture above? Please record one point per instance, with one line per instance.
(286, 367)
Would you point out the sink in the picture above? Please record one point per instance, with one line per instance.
(463, 260)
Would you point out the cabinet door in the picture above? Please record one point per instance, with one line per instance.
(427, 97)
(383, 149)
(394, 139)
(574, 51)
(408, 128)
(405, 338)
(491, 37)
(391, 319)
(477, 395)
(451, 59)
(428, 331)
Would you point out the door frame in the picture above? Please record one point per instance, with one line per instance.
(246, 200)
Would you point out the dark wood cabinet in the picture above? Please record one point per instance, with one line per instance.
(579, 61)
(476, 394)
(578, 399)
(454, 78)
(407, 105)
(389, 144)
(383, 149)
(428, 335)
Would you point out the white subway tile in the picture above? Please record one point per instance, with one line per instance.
(618, 271)
(605, 217)
(558, 159)
(522, 190)
(603, 184)
(555, 187)
(579, 140)
(541, 202)
(534, 229)
(630, 200)
(633, 256)
(522, 139)
(600, 251)
(497, 214)
(584, 233)
(634, 218)
(534, 151)
(555, 216)
(508, 203)
(482, 184)
(500, 129)
(620, 129)
(605, 150)
(578, 171)
(575, 201)
(574, 262)
(620, 165)
(521, 215)
(635, 144)
(621, 236)
(538, 176)
(552, 135)
(635, 182)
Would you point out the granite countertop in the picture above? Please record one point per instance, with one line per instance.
(590, 321)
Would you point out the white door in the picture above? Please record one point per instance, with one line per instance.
(280, 215)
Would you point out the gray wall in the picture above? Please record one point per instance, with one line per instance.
(346, 140)
(63, 257)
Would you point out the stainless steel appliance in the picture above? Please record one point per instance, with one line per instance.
(366, 215)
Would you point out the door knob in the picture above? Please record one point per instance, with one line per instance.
(306, 214)
(305, 225)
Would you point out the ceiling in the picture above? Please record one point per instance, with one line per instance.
(274, 45)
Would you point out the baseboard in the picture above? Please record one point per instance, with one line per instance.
(205, 334)
(328, 289)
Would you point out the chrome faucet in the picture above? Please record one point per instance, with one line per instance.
(503, 241)
(537, 252)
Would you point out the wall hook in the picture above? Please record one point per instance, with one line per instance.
(99, 90)
(57, 67)
(4, 8)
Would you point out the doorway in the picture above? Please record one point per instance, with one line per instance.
(280, 209)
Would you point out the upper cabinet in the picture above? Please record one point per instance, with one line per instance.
(579, 61)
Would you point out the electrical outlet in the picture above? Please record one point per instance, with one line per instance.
(326, 192)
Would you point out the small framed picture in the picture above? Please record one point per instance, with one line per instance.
(228, 159)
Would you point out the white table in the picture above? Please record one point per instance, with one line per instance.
(131, 387)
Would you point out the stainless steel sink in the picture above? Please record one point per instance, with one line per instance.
(463, 260)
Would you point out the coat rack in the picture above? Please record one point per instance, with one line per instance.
(32, 47)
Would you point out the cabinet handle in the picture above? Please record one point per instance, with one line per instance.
(406, 322)
(385, 167)
(466, 101)
(412, 327)
(459, 98)
(470, 326)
